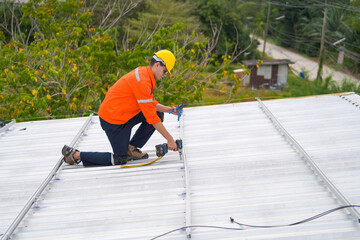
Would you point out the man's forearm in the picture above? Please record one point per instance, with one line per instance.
(161, 108)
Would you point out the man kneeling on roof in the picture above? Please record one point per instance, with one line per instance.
(128, 102)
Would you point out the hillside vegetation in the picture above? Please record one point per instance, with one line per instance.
(59, 58)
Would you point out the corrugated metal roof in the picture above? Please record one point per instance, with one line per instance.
(238, 165)
(29, 151)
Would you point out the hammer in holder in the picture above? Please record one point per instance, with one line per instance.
(180, 108)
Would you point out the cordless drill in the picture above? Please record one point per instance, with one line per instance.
(162, 149)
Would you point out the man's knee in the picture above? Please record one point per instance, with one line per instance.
(161, 116)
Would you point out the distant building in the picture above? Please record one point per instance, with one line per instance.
(270, 74)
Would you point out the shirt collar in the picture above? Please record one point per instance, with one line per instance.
(151, 74)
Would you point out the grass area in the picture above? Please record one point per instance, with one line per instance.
(216, 96)
(296, 87)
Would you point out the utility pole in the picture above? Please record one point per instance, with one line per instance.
(266, 27)
(322, 48)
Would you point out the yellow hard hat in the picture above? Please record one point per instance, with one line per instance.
(166, 57)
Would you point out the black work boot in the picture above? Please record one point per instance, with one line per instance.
(118, 160)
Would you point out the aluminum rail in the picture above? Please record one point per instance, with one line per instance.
(7, 126)
(310, 161)
(34, 198)
(187, 183)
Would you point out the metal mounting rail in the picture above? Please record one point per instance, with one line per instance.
(45, 183)
(7, 126)
(187, 184)
(310, 161)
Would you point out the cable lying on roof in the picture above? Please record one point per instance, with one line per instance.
(194, 226)
(244, 226)
(140, 165)
(161, 150)
(297, 223)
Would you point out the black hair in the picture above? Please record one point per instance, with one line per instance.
(153, 61)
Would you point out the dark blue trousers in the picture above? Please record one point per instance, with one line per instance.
(119, 137)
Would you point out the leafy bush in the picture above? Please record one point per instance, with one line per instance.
(69, 66)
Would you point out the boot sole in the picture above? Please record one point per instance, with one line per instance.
(146, 156)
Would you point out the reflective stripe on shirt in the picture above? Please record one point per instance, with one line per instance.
(137, 74)
(144, 100)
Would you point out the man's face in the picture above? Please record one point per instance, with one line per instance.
(160, 71)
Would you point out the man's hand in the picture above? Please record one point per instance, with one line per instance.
(176, 111)
(161, 108)
(172, 145)
(170, 140)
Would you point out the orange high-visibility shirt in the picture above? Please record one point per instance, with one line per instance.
(131, 94)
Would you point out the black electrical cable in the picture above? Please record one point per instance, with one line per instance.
(242, 225)
(297, 223)
(195, 226)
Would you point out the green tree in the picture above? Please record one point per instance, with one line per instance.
(11, 24)
(111, 13)
(57, 72)
(69, 66)
(223, 18)
(252, 15)
(352, 43)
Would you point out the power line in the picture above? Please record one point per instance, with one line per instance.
(319, 4)
(289, 39)
(354, 55)
(332, 59)
(294, 37)
(308, 46)
(345, 43)
(352, 45)
(290, 5)
(340, 6)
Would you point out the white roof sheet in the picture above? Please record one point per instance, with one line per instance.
(238, 165)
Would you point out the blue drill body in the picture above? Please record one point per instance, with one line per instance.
(162, 149)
